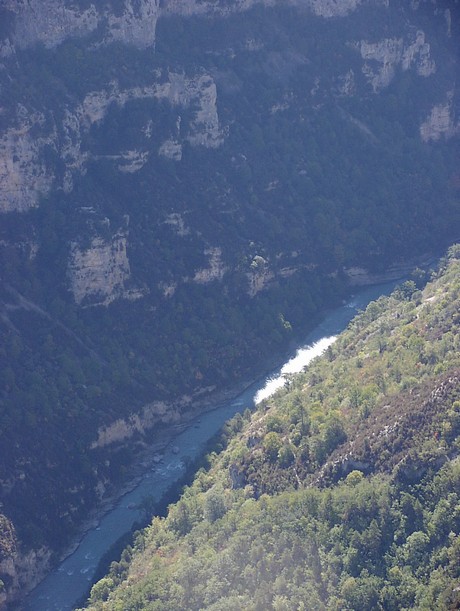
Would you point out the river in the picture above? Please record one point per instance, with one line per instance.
(68, 582)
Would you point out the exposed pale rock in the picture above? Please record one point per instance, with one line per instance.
(168, 290)
(363, 128)
(387, 52)
(23, 176)
(337, 8)
(259, 279)
(130, 161)
(179, 90)
(287, 272)
(182, 410)
(347, 84)
(50, 22)
(201, 92)
(205, 129)
(279, 107)
(148, 129)
(358, 276)
(70, 151)
(440, 123)
(216, 269)
(171, 149)
(99, 273)
(24, 571)
(177, 224)
(137, 24)
(418, 54)
(322, 8)
(53, 21)
(152, 414)
(6, 49)
(394, 52)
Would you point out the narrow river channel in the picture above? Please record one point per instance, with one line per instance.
(69, 581)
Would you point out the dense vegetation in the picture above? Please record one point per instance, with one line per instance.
(309, 180)
(340, 492)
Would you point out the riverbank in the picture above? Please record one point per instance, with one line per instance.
(211, 405)
(145, 458)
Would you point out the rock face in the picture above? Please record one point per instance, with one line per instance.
(259, 279)
(135, 22)
(24, 572)
(99, 273)
(231, 133)
(216, 269)
(26, 176)
(441, 122)
(19, 570)
(392, 53)
(156, 413)
(54, 21)
(332, 8)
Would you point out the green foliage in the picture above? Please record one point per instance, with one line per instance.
(381, 535)
(307, 183)
(272, 445)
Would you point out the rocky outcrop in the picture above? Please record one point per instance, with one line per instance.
(33, 141)
(260, 276)
(122, 429)
(49, 22)
(441, 122)
(199, 92)
(358, 276)
(177, 224)
(392, 53)
(157, 413)
(21, 572)
(25, 175)
(216, 269)
(171, 149)
(98, 273)
(237, 477)
(53, 21)
(334, 8)
(135, 22)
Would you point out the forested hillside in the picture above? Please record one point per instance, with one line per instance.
(340, 492)
(185, 185)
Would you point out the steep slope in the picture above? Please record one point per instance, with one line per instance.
(184, 186)
(342, 491)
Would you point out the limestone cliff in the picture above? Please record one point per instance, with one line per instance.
(25, 173)
(394, 53)
(267, 153)
(215, 270)
(99, 273)
(441, 122)
(53, 21)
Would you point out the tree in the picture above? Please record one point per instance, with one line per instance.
(214, 505)
(272, 445)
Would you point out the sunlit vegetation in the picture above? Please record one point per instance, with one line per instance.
(308, 182)
(340, 492)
